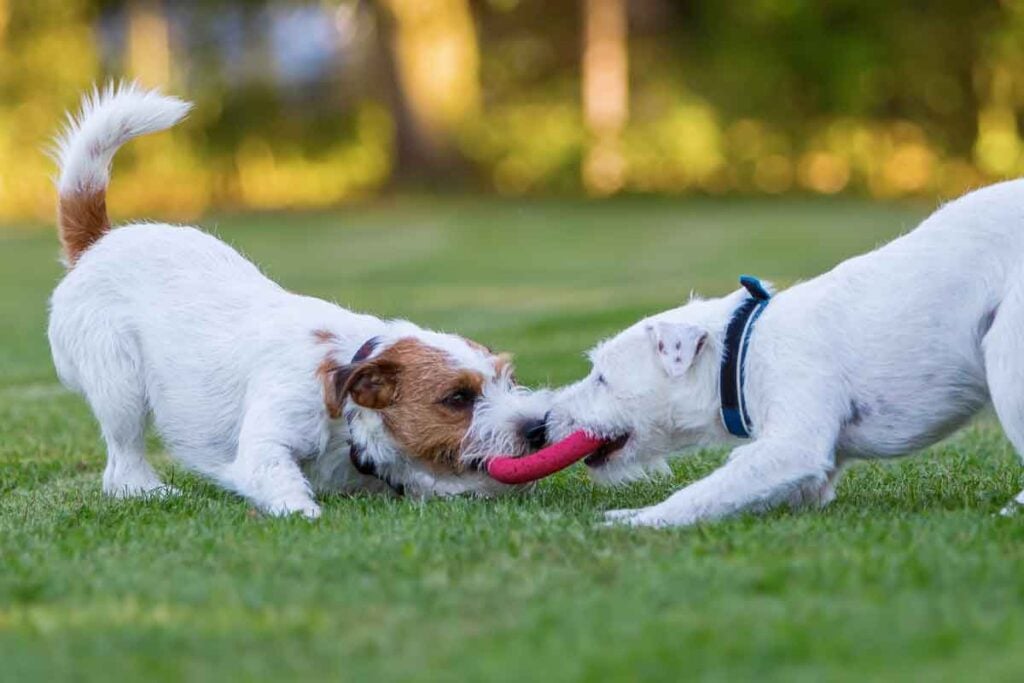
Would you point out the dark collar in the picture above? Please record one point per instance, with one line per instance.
(367, 468)
(732, 372)
(365, 350)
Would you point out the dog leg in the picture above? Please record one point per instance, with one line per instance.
(816, 495)
(127, 473)
(118, 401)
(265, 471)
(757, 477)
(267, 474)
(1004, 370)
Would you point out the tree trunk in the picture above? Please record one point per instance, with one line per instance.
(605, 93)
(5, 15)
(149, 51)
(430, 56)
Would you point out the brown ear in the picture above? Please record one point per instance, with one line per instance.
(371, 384)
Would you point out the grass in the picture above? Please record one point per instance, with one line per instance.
(909, 573)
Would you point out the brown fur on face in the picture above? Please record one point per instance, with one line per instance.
(426, 403)
(501, 360)
(82, 217)
(327, 372)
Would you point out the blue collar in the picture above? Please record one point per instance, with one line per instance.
(732, 373)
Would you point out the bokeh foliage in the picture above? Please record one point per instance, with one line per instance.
(766, 96)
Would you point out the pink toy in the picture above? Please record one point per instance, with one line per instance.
(545, 461)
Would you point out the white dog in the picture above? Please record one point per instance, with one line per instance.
(885, 354)
(271, 394)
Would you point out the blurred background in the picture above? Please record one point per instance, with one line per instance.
(535, 175)
(312, 103)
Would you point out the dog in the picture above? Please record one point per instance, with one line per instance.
(271, 394)
(885, 354)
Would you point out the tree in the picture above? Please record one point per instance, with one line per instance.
(431, 60)
(605, 93)
(149, 53)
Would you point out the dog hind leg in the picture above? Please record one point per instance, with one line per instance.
(1003, 348)
(118, 400)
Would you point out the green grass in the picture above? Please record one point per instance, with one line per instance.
(909, 573)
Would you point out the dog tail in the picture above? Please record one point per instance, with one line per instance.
(84, 150)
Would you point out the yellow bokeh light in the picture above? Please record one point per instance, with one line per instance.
(824, 172)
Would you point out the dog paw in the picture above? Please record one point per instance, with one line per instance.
(622, 514)
(140, 490)
(306, 508)
(639, 517)
(655, 517)
(646, 519)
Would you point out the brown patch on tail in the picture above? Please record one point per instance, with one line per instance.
(82, 218)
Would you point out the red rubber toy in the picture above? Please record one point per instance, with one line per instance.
(546, 461)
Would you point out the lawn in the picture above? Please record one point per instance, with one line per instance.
(910, 573)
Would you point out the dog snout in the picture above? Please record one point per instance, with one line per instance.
(560, 424)
(535, 432)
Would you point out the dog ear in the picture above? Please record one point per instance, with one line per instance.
(371, 384)
(676, 344)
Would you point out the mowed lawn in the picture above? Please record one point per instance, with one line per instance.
(909, 574)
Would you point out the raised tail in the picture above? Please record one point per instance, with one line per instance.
(108, 119)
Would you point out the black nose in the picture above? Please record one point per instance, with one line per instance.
(535, 432)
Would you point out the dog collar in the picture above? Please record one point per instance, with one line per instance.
(365, 350)
(731, 375)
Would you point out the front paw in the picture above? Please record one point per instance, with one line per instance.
(622, 514)
(655, 516)
(306, 508)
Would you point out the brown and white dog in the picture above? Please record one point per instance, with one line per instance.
(271, 394)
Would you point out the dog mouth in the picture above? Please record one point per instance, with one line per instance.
(601, 456)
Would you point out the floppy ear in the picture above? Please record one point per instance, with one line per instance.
(371, 384)
(677, 345)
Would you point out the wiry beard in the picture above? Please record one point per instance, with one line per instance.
(494, 432)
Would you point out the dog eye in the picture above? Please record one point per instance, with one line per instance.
(601, 380)
(460, 399)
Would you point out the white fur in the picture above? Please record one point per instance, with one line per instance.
(883, 355)
(108, 119)
(171, 322)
